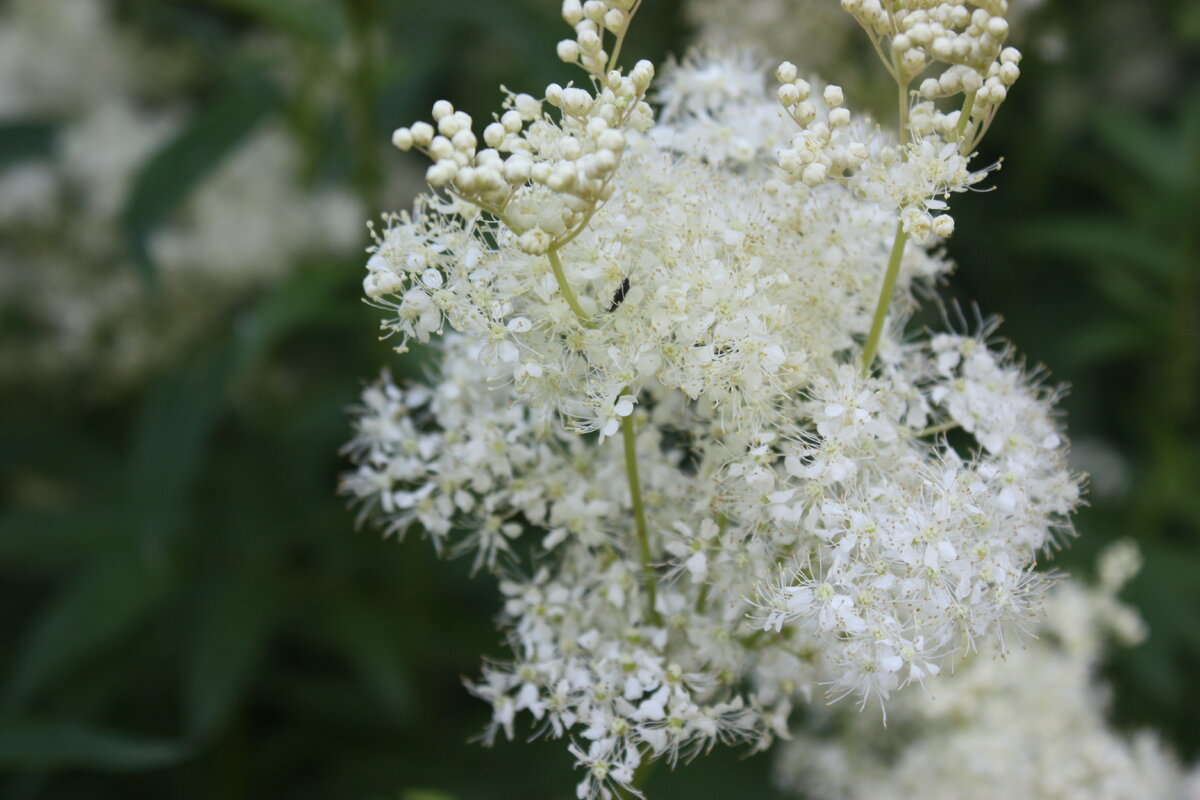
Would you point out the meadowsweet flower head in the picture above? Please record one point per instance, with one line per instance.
(1030, 724)
(676, 410)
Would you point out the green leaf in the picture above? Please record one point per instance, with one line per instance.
(227, 645)
(302, 301)
(21, 140)
(320, 20)
(367, 638)
(173, 431)
(1094, 239)
(94, 612)
(167, 179)
(49, 746)
(1147, 149)
(1107, 341)
(51, 538)
(425, 794)
(1133, 295)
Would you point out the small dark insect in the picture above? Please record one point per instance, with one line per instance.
(619, 296)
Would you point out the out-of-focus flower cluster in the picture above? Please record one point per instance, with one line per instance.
(678, 413)
(1030, 724)
(69, 287)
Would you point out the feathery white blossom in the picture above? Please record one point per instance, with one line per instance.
(1030, 725)
(767, 511)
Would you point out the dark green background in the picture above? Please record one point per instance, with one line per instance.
(187, 610)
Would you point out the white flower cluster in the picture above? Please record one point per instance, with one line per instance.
(783, 495)
(1029, 725)
(712, 109)
(65, 269)
(966, 43)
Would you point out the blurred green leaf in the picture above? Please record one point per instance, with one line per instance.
(425, 794)
(21, 140)
(225, 649)
(1098, 240)
(1146, 148)
(40, 538)
(47, 746)
(1187, 22)
(302, 301)
(321, 20)
(97, 610)
(168, 178)
(175, 424)
(1107, 341)
(367, 638)
(1128, 291)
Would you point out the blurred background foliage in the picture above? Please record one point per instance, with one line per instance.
(188, 611)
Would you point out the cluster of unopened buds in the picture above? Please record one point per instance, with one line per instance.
(968, 42)
(827, 147)
(574, 158)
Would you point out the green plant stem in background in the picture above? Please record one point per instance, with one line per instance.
(639, 515)
(368, 172)
(885, 297)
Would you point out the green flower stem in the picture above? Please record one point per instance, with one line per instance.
(964, 116)
(936, 429)
(885, 297)
(903, 102)
(565, 288)
(616, 54)
(639, 516)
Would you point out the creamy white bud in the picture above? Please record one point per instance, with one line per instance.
(402, 139)
(615, 21)
(568, 51)
(943, 225)
(422, 133)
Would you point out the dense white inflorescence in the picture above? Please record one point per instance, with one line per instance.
(677, 412)
(65, 267)
(1030, 724)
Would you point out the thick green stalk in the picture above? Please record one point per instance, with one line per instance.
(639, 515)
(885, 298)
